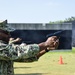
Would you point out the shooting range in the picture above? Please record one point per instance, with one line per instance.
(37, 32)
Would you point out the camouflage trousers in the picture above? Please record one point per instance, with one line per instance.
(6, 67)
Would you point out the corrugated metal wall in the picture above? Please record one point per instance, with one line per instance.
(41, 26)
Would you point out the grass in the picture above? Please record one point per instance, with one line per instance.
(48, 64)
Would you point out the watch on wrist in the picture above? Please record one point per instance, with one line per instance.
(47, 50)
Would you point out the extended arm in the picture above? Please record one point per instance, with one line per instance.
(52, 43)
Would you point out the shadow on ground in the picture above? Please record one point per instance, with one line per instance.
(30, 74)
(21, 67)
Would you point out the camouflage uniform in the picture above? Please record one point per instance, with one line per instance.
(11, 52)
(6, 66)
(23, 52)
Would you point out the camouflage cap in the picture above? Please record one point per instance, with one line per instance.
(5, 26)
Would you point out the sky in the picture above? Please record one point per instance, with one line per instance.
(36, 11)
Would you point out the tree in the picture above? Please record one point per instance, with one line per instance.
(71, 19)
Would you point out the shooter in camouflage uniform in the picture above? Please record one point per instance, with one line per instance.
(11, 52)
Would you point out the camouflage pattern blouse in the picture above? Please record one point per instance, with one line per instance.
(11, 52)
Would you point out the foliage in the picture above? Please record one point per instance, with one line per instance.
(71, 19)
